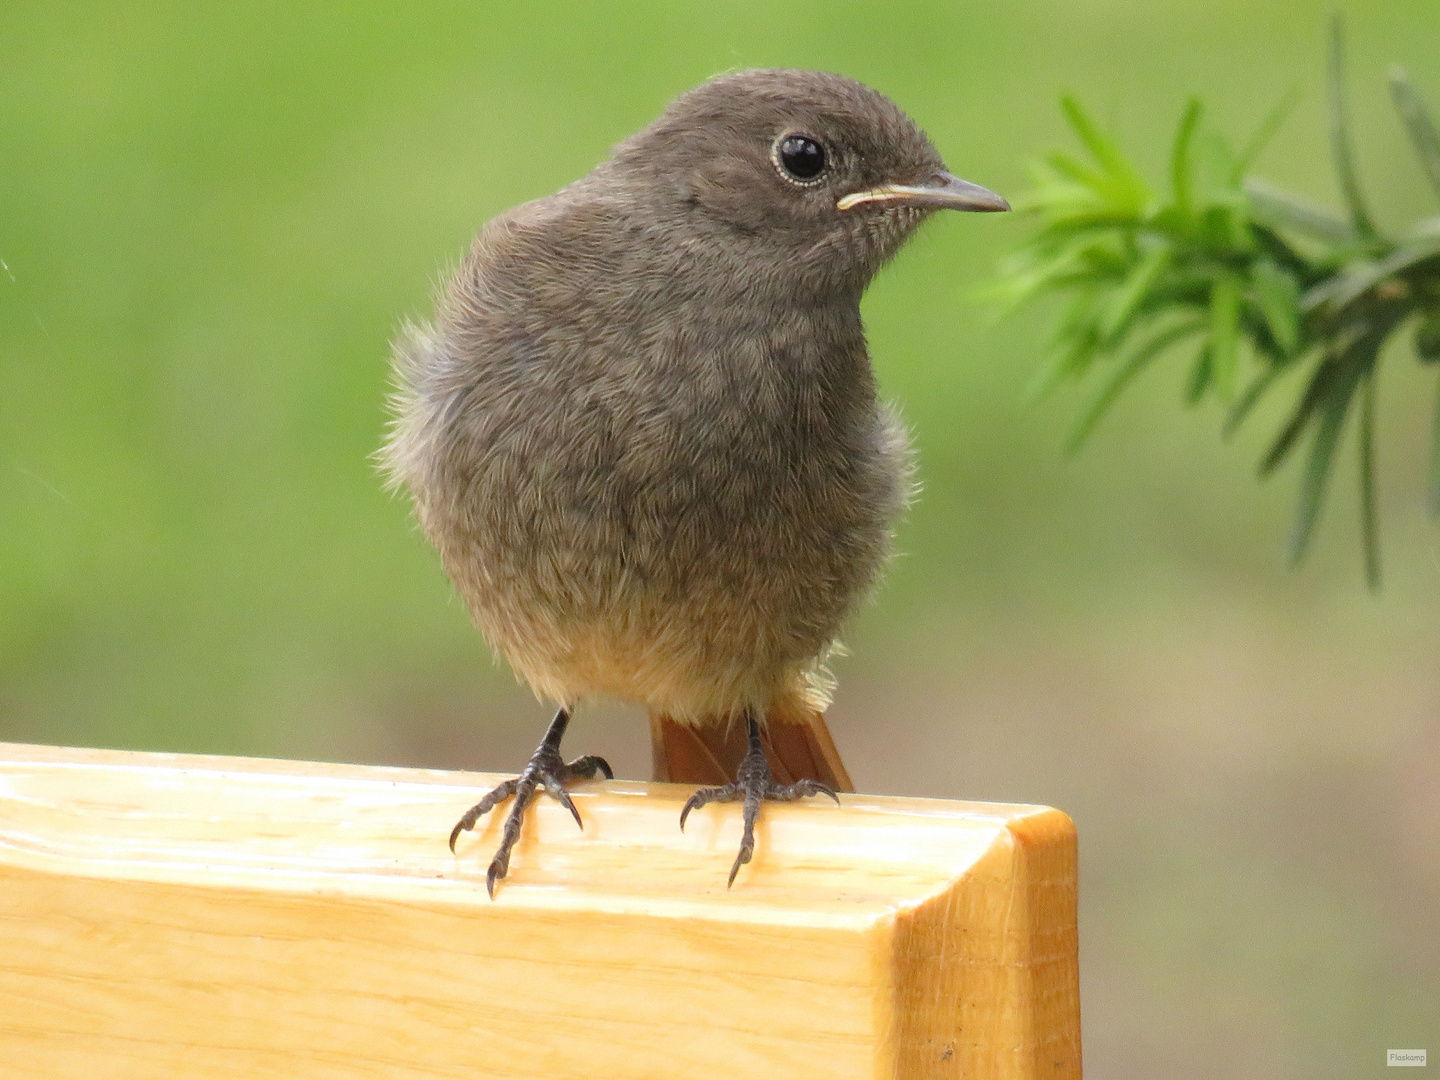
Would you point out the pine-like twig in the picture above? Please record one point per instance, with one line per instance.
(1251, 280)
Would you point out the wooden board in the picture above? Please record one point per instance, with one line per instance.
(175, 916)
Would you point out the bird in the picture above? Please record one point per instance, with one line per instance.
(643, 432)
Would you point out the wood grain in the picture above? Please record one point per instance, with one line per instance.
(179, 916)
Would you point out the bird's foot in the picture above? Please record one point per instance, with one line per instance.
(546, 769)
(754, 785)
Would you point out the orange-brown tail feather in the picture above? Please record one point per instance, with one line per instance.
(799, 748)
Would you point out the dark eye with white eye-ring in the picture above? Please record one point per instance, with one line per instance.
(800, 159)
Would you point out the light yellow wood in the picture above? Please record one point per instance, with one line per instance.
(175, 916)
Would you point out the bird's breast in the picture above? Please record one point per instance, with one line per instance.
(641, 412)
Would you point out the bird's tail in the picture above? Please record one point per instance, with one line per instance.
(797, 743)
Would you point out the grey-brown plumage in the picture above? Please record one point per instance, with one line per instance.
(642, 429)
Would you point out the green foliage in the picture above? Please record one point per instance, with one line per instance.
(1252, 280)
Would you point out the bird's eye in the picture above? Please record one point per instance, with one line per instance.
(801, 158)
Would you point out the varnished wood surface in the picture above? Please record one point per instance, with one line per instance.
(179, 916)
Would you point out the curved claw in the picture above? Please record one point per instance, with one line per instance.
(802, 789)
(707, 795)
(691, 803)
(585, 768)
(493, 798)
(740, 860)
(747, 838)
(559, 794)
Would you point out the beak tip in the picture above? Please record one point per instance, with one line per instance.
(967, 196)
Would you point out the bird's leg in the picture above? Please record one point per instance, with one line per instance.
(753, 784)
(546, 769)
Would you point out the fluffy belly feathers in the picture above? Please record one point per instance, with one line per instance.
(694, 574)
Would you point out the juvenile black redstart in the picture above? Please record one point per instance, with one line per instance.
(642, 429)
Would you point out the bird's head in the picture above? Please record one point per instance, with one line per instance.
(814, 176)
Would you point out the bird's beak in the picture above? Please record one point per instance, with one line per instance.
(946, 192)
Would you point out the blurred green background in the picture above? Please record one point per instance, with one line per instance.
(212, 219)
